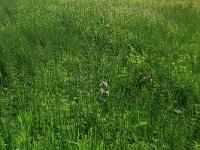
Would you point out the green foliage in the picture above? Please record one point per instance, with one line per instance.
(107, 74)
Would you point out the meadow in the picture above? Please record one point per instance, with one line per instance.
(99, 75)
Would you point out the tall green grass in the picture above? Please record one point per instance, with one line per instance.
(55, 54)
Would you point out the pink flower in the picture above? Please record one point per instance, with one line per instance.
(104, 84)
(105, 92)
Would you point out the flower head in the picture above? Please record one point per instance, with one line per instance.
(104, 92)
(104, 84)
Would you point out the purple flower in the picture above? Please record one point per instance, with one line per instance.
(104, 84)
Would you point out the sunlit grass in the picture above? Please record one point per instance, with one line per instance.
(88, 74)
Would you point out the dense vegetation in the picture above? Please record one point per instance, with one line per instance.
(57, 57)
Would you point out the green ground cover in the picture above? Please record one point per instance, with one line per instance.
(54, 54)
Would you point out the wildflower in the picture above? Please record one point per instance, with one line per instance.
(104, 89)
(105, 92)
(147, 78)
(104, 84)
